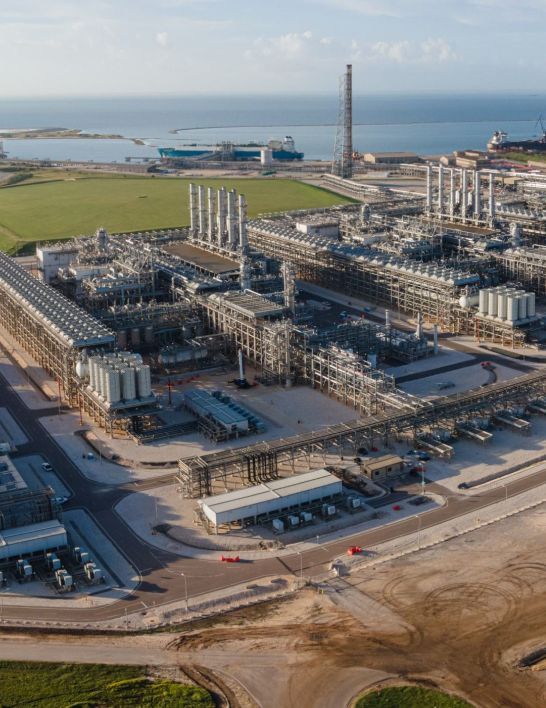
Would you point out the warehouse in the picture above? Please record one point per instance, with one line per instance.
(32, 540)
(270, 498)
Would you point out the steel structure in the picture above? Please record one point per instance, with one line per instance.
(342, 164)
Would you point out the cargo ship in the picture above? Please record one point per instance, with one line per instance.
(274, 150)
(499, 142)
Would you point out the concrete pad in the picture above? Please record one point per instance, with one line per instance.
(22, 385)
(36, 477)
(10, 431)
(445, 357)
(464, 380)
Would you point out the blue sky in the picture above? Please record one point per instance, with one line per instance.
(90, 47)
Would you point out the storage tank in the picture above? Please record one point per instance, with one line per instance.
(144, 381)
(531, 304)
(122, 338)
(93, 372)
(492, 297)
(483, 301)
(149, 334)
(512, 308)
(128, 384)
(101, 379)
(502, 305)
(522, 307)
(113, 389)
(135, 336)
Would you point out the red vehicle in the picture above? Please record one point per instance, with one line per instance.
(230, 559)
(396, 507)
(354, 550)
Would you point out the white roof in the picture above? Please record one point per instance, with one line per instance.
(32, 532)
(269, 491)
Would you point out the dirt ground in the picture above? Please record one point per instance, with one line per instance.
(459, 616)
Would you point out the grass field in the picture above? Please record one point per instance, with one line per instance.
(78, 685)
(409, 697)
(80, 204)
(524, 157)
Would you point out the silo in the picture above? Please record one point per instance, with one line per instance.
(135, 336)
(512, 308)
(128, 384)
(93, 372)
(502, 305)
(483, 302)
(531, 304)
(144, 381)
(101, 388)
(522, 307)
(112, 379)
(149, 334)
(492, 297)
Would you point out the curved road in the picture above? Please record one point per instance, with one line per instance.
(159, 585)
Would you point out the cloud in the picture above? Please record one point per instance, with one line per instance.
(290, 46)
(431, 50)
(376, 8)
(162, 38)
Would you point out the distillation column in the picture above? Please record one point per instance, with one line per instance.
(202, 213)
(289, 286)
(440, 189)
(491, 197)
(193, 212)
(211, 215)
(231, 220)
(452, 192)
(243, 236)
(221, 215)
(477, 196)
(464, 194)
(429, 188)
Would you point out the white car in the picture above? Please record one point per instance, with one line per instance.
(60, 500)
(47, 467)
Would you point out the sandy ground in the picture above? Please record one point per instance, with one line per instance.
(457, 616)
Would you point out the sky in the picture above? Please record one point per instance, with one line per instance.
(208, 47)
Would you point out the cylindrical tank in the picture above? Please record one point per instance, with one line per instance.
(502, 305)
(531, 304)
(512, 308)
(144, 381)
(128, 384)
(113, 392)
(135, 336)
(483, 301)
(101, 388)
(93, 372)
(522, 307)
(149, 334)
(122, 338)
(492, 298)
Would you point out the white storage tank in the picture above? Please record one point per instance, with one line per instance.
(128, 384)
(531, 304)
(502, 302)
(93, 372)
(144, 381)
(512, 308)
(492, 298)
(101, 379)
(113, 388)
(483, 300)
(522, 307)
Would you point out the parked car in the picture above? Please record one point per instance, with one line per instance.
(47, 467)
(463, 485)
(60, 500)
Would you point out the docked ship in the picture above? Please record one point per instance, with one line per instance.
(284, 150)
(499, 142)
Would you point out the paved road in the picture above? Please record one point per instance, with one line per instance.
(158, 585)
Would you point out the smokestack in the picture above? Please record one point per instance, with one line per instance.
(429, 188)
(231, 225)
(451, 192)
(211, 214)
(477, 196)
(464, 193)
(193, 211)
(221, 215)
(491, 197)
(202, 212)
(440, 188)
(243, 236)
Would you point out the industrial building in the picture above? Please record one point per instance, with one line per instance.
(384, 468)
(32, 540)
(263, 502)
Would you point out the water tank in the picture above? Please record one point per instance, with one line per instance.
(531, 304)
(135, 336)
(492, 297)
(128, 384)
(502, 302)
(483, 301)
(122, 338)
(144, 381)
(113, 388)
(512, 308)
(522, 307)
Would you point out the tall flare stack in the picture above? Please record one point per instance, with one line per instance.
(343, 150)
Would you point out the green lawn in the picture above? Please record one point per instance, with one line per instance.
(44, 685)
(525, 157)
(409, 697)
(79, 205)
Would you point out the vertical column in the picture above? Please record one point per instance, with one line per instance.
(221, 215)
(477, 195)
(193, 211)
(243, 236)
(429, 188)
(451, 192)
(440, 189)
(464, 193)
(211, 214)
(491, 197)
(231, 223)
(202, 212)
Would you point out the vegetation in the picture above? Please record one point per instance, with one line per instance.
(45, 685)
(525, 156)
(409, 697)
(17, 178)
(56, 206)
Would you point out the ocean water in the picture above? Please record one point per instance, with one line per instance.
(429, 124)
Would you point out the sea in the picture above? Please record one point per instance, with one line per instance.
(425, 124)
